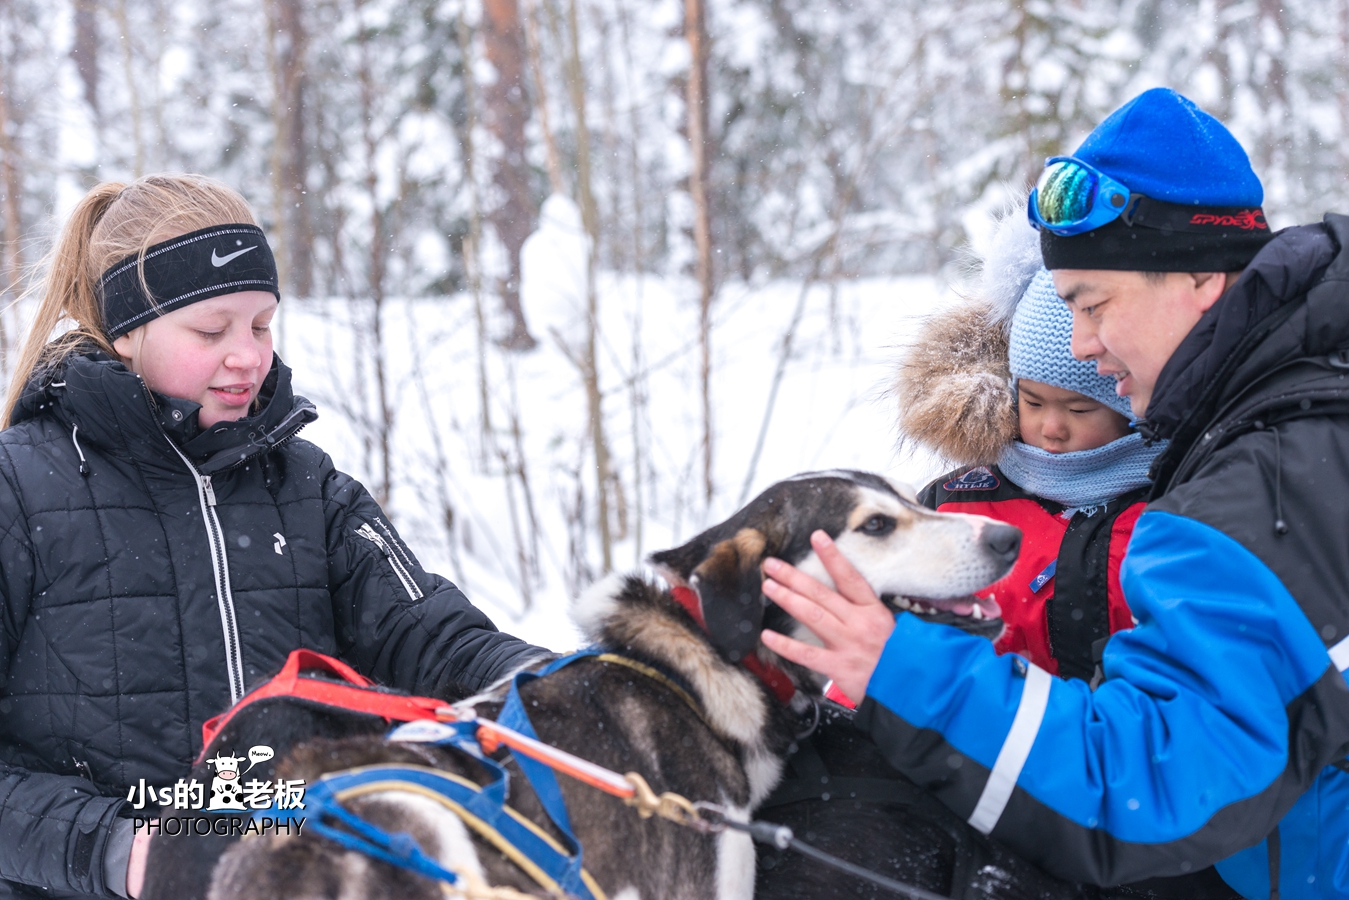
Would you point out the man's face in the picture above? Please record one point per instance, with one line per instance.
(1129, 323)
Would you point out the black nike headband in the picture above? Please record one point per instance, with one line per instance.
(223, 259)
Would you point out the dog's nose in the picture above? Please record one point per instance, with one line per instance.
(1003, 540)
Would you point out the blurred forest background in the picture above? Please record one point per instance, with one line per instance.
(696, 160)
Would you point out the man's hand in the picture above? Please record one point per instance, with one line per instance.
(852, 621)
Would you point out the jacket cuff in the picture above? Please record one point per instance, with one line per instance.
(117, 856)
(90, 841)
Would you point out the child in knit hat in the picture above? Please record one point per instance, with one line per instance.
(1042, 442)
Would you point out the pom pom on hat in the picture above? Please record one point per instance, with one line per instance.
(1012, 260)
(1039, 348)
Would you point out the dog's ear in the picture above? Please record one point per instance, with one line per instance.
(680, 561)
(731, 588)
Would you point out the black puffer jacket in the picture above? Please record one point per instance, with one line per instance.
(138, 599)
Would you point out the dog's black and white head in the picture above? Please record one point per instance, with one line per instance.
(915, 559)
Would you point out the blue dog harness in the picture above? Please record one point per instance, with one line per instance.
(482, 808)
(555, 866)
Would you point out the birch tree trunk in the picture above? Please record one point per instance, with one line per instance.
(378, 266)
(555, 181)
(637, 387)
(590, 358)
(279, 237)
(695, 32)
(506, 108)
(287, 45)
(84, 52)
(133, 91)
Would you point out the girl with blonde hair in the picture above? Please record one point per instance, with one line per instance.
(166, 539)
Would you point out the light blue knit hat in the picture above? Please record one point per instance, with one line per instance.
(1042, 330)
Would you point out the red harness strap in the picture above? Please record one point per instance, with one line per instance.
(776, 680)
(355, 695)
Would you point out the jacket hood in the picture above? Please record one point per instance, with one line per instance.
(114, 409)
(954, 389)
(953, 383)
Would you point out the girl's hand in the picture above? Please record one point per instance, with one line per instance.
(135, 870)
(852, 621)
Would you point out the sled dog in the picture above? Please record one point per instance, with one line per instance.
(704, 725)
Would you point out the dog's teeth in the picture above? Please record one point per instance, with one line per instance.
(903, 602)
(920, 608)
(978, 613)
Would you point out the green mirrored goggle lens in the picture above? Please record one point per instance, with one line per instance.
(1065, 193)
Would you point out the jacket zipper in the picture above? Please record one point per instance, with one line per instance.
(215, 536)
(374, 537)
(393, 542)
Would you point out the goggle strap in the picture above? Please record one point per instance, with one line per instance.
(1127, 214)
(1145, 212)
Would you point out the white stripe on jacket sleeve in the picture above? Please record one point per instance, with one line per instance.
(1015, 749)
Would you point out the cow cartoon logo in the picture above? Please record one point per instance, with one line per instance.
(227, 789)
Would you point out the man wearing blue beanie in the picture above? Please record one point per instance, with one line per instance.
(1220, 731)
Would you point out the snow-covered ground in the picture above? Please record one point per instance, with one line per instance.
(831, 411)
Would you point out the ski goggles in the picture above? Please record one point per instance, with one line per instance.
(1072, 197)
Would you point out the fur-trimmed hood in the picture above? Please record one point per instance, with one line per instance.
(954, 388)
(953, 383)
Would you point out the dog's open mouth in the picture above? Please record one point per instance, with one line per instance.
(977, 615)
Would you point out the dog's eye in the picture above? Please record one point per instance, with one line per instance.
(877, 525)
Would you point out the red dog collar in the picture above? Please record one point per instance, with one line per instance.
(777, 681)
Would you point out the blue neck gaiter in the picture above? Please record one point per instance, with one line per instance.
(1084, 478)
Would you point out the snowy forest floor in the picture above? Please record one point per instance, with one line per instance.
(831, 412)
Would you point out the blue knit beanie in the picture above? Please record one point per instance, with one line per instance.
(1200, 207)
(1163, 146)
(1042, 330)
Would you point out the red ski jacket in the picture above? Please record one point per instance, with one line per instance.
(1062, 599)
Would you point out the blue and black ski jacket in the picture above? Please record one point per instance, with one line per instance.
(1216, 734)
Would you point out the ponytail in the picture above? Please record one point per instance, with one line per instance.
(68, 296)
(112, 222)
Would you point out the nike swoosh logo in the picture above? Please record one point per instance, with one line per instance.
(219, 261)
